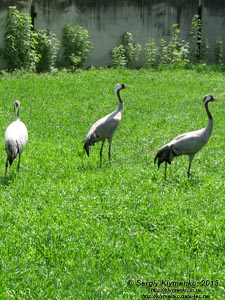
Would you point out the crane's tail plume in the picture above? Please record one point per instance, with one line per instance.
(12, 150)
(164, 154)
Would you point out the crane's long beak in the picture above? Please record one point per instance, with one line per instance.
(128, 86)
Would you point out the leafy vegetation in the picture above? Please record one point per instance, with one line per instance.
(47, 49)
(126, 54)
(219, 52)
(20, 41)
(177, 51)
(38, 50)
(119, 59)
(151, 53)
(76, 46)
(72, 230)
(196, 40)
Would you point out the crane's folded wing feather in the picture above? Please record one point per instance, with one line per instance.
(190, 142)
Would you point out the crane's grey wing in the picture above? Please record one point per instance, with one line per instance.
(107, 129)
(106, 126)
(102, 129)
(190, 142)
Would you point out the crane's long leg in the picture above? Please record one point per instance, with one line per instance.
(109, 151)
(101, 153)
(18, 165)
(165, 170)
(6, 166)
(191, 156)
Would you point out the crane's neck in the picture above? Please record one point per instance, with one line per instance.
(208, 112)
(16, 114)
(120, 100)
(209, 126)
(118, 96)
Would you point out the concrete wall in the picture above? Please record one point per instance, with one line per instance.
(213, 24)
(107, 20)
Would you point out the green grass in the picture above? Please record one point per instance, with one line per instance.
(70, 230)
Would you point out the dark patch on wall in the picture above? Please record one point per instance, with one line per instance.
(143, 6)
(215, 7)
(4, 4)
(106, 4)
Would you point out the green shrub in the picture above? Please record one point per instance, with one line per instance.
(127, 53)
(76, 46)
(175, 51)
(132, 50)
(47, 49)
(198, 46)
(178, 48)
(195, 39)
(19, 41)
(218, 50)
(118, 57)
(165, 55)
(151, 53)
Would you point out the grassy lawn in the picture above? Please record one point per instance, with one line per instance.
(72, 230)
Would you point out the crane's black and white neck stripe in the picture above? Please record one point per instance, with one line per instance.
(118, 88)
(206, 100)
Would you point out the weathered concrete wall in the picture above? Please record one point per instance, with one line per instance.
(213, 24)
(107, 20)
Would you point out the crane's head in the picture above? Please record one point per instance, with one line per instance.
(16, 104)
(16, 108)
(121, 86)
(208, 98)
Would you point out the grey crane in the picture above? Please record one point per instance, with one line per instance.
(187, 143)
(16, 137)
(105, 127)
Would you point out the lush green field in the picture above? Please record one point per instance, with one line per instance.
(72, 230)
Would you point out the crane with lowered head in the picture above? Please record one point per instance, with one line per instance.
(105, 127)
(188, 143)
